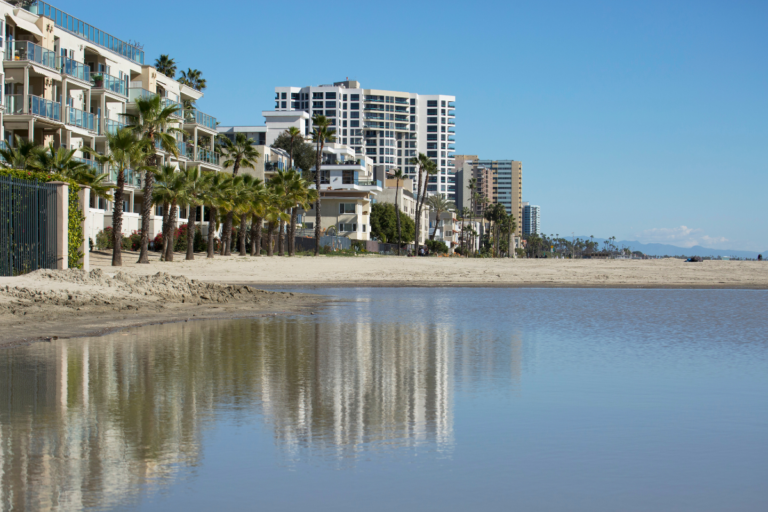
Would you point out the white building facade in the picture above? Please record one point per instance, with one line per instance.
(531, 219)
(389, 127)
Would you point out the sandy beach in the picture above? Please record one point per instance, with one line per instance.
(47, 305)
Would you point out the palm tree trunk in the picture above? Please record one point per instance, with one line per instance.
(437, 221)
(281, 239)
(397, 212)
(211, 231)
(226, 234)
(270, 239)
(146, 211)
(117, 222)
(164, 230)
(292, 231)
(317, 203)
(417, 231)
(256, 235)
(243, 232)
(171, 232)
(191, 234)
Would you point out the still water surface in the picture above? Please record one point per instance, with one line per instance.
(404, 399)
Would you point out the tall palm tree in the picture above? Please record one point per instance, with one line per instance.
(237, 154)
(22, 155)
(472, 186)
(153, 123)
(243, 205)
(196, 187)
(126, 151)
(399, 177)
(321, 134)
(425, 167)
(439, 205)
(274, 214)
(193, 78)
(294, 134)
(166, 65)
(465, 212)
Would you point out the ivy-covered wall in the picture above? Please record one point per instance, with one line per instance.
(75, 231)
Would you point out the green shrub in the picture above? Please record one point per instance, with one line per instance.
(437, 246)
(75, 230)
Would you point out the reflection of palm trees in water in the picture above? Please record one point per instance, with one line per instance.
(105, 415)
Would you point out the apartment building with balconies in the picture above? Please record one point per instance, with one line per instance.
(389, 127)
(404, 197)
(498, 181)
(270, 159)
(69, 84)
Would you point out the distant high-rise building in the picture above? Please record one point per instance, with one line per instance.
(390, 127)
(531, 219)
(499, 181)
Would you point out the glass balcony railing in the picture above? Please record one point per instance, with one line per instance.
(28, 51)
(44, 108)
(80, 118)
(451, 148)
(208, 156)
(452, 113)
(112, 127)
(134, 93)
(368, 183)
(74, 69)
(402, 101)
(167, 102)
(451, 104)
(194, 116)
(451, 121)
(181, 146)
(14, 103)
(108, 82)
(86, 31)
(452, 139)
(96, 167)
(190, 151)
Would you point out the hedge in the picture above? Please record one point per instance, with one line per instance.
(76, 217)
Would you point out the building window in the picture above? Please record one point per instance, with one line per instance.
(354, 106)
(332, 96)
(330, 104)
(354, 97)
(347, 227)
(283, 104)
(283, 96)
(317, 95)
(432, 103)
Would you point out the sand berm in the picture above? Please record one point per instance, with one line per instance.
(46, 304)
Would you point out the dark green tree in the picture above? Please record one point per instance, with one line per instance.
(384, 223)
(303, 153)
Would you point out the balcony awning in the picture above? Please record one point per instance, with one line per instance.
(26, 25)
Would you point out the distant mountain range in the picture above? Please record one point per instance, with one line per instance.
(673, 250)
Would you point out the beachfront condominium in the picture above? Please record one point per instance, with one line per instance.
(531, 219)
(498, 181)
(390, 127)
(69, 84)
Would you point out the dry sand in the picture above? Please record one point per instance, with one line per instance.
(48, 304)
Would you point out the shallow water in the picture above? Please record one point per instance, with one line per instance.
(410, 399)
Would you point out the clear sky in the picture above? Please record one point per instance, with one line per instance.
(642, 120)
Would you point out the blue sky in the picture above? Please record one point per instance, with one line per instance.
(645, 121)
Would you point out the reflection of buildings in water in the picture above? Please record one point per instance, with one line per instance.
(368, 384)
(88, 423)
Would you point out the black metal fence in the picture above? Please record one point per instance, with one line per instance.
(27, 226)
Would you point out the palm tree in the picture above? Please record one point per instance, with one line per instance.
(440, 205)
(62, 161)
(472, 186)
(465, 212)
(243, 204)
(259, 196)
(193, 78)
(274, 215)
(166, 65)
(399, 176)
(171, 189)
(126, 151)
(216, 193)
(298, 195)
(22, 155)
(426, 167)
(154, 124)
(294, 134)
(196, 186)
(321, 134)
(237, 154)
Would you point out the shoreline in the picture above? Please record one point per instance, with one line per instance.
(526, 285)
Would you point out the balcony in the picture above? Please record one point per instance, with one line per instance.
(452, 113)
(132, 178)
(108, 83)
(451, 139)
(368, 183)
(30, 52)
(451, 104)
(194, 116)
(135, 93)
(167, 102)
(111, 127)
(402, 101)
(86, 31)
(80, 118)
(96, 168)
(74, 69)
(451, 121)
(36, 106)
(207, 156)
(451, 148)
